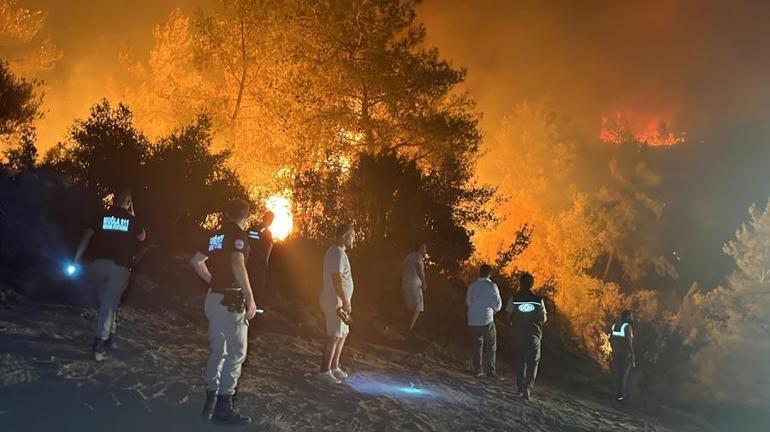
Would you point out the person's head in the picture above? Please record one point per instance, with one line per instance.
(485, 271)
(526, 281)
(345, 235)
(421, 247)
(627, 316)
(123, 199)
(237, 211)
(268, 218)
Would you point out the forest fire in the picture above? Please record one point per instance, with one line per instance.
(621, 128)
(284, 222)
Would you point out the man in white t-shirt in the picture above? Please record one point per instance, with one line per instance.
(337, 294)
(413, 282)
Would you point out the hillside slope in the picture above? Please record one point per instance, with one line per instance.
(48, 382)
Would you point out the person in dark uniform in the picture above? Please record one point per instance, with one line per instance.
(623, 356)
(111, 242)
(526, 314)
(229, 306)
(261, 246)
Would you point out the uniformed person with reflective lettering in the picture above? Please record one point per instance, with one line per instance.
(111, 242)
(527, 314)
(623, 356)
(229, 305)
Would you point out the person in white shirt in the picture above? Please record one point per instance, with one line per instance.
(483, 300)
(413, 282)
(337, 294)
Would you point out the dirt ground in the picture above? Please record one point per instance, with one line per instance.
(153, 383)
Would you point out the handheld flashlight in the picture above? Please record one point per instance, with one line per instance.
(71, 269)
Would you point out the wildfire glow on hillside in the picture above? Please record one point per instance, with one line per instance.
(284, 222)
(652, 131)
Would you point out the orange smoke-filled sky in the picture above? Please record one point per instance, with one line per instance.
(697, 66)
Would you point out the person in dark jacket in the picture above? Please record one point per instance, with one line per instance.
(526, 314)
(111, 241)
(623, 356)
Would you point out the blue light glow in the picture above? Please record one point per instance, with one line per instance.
(385, 386)
(71, 269)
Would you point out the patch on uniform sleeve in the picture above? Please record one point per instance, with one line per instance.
(239, 244)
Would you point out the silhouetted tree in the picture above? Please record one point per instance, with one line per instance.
(19, 103)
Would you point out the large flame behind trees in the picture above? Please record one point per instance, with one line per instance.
(592, 209)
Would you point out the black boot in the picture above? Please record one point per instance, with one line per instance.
(111, 344)
(211, 401)
(99, 349)
(226, 415)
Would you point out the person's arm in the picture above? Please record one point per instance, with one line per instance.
(630, 339)
(419, 267)
(238, 265)
(337, 281)
(87, 235)
(497, 302)
(141, 236)
(469, 296)
(198, 263)
(268, 251)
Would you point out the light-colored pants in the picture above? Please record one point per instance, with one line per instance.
(228, 339)
(111, 281)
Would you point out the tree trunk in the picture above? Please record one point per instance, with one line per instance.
(609, 264)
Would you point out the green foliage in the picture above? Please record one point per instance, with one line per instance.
(177, 181)
(19, 103)
(393, 205)
(729, 327)
(24, 156)
(106, 151)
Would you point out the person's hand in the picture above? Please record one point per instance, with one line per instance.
(633, 363)
(347, 308)
(251, 309)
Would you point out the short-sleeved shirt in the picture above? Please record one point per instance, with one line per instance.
(336, 261)
(409, 276)
(115, 236)
(219, 247)
(527, 314)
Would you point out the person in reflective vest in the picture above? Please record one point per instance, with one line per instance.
(623, 356)
(526, 314)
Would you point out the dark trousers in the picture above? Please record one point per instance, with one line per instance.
(527, 360)
(622, 363)
(484, 348)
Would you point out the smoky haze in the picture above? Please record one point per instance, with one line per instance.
(698, 66)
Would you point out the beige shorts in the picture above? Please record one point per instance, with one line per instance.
(413, 297)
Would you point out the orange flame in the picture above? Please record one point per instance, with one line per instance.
(652, 131)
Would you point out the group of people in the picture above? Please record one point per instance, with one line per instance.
(525, 314)
(234, 261)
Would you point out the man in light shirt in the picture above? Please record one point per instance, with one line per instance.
(337, 294)
(413, 282)
(483, 300)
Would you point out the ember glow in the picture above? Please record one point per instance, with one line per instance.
(284, 221)
(621, 128)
